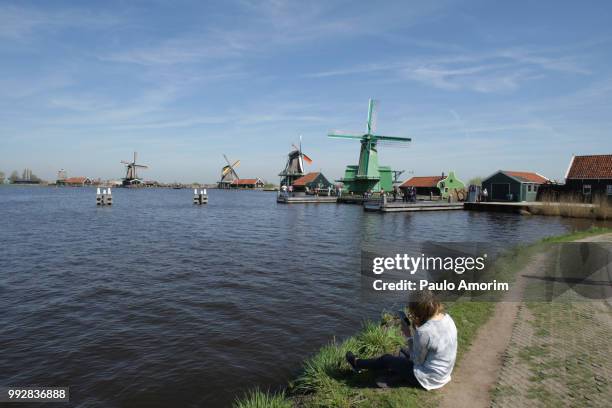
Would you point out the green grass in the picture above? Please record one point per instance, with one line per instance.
(328, 381)
(573, 236)
(260, 399)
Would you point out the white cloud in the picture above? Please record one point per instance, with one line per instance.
(501, 70)
(20, 22)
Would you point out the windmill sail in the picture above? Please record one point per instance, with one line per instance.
(294, 168)
(367, 175)
(228, 173)
(131, 177)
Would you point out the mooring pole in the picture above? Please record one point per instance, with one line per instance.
(104, 197)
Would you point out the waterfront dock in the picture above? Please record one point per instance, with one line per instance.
(351, 199)
(305, 199)
(401, 206)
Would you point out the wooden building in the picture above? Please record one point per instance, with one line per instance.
(311, 181)
(75, 182)
(506, 185)
(247, 183)
(440, 186)
(589, 176)
(424, 185)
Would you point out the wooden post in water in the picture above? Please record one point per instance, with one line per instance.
(104, 197)
(201, 197)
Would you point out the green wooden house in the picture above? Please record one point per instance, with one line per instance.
(506, 185)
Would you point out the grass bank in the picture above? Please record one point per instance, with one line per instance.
(327, 380)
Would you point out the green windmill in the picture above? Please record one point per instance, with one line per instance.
(368, 175)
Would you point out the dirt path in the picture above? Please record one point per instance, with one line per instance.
(476, 373)
(598, 238)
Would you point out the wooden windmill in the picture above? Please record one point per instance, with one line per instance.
(131, 177)
(368, 175)
(294, 169)
(228, 173)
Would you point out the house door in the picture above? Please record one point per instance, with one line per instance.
(500, 191)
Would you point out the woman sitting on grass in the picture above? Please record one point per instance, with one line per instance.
(432, 346)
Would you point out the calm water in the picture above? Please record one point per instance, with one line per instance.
(156, 302)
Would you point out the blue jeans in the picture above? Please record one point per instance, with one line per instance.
(397, 364)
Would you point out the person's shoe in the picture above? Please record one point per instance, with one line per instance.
(350, 358)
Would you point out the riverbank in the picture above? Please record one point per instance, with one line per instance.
(327, 381)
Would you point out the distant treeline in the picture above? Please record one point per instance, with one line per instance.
(26, 175)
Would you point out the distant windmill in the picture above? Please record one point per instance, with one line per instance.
(131, 178)
(368, 175)
(294, 168)
(228, 173)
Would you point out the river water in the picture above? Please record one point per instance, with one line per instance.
(155, 302)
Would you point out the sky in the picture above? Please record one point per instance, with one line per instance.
(478, 85)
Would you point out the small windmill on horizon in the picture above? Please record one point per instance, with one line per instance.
(131, 177)
(294, 168)
(228, 173)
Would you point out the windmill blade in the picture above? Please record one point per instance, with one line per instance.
(124, 162)
(372, 115)
(393, 141)
(227, 160)
(341, 136)
(306, 158)
(142, 166)
(236, 164)
(295, 147)
(394, 138)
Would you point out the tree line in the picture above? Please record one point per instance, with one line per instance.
(26, 174)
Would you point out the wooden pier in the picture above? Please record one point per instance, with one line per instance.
(402, 206)
(351, 199)
(305, 199)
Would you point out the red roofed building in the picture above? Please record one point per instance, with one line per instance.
(442, 186)
(75, 181)
(247, 183)
(424, 185)
(428, 181)
(527, 177)
(590, 175)
(312, 181)
(508, 185)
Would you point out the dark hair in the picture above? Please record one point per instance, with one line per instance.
(423, 306)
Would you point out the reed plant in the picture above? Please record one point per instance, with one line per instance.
(574, 207)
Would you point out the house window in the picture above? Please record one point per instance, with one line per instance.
(535, 187)
(586, 189)
(529, 187)
(609, 189)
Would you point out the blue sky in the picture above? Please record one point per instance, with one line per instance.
(478, 86)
